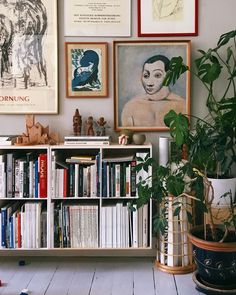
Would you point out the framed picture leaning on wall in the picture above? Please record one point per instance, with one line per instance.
(140, 99)
(86, 69)
(167, 18)
(28, 57)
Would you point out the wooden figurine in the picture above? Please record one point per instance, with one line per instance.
(77, 123)
(36, 133)
(101, 131)
(89, 126)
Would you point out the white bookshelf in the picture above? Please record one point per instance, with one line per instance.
(108, 203)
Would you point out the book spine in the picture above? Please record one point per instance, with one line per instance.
(133, 178)
(42, 175)
(65, 182)
(4, 227)
(10, 178)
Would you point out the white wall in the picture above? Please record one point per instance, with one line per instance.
(215, 18)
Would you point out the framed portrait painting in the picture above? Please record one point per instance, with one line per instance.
(28, 57)
(140, 98)
(167, 18)
(86, 70)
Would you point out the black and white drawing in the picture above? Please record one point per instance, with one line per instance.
(26, 49)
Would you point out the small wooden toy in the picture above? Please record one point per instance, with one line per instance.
(36, 133)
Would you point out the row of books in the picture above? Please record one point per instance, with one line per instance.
(123, 227)
(23, 226)
(80, 176)
(75, 176)
(75, 226)
(23, 176)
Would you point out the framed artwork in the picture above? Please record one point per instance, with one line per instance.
(97, 18)
(167, 18)
(28, 57)
(140, 99)
(86, 69)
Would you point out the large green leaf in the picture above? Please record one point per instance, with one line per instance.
(179, 126)
(177, 68)
(224, 38)
(208, 73)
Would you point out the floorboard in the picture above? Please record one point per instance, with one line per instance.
(164, 282)
(91, 276)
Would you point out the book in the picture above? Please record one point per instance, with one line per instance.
(87, 138)
(118, 159)
(8, 139)
(42, 175)
(95, 142)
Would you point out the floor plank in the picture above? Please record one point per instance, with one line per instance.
(7, 271)
(62, 279)
(82, 278)
(164, 282)
(20, 279)
(143, 278)
(42, 278)
(185, 285)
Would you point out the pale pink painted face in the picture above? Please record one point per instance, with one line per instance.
(152, 76)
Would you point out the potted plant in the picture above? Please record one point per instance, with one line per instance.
(211, 149)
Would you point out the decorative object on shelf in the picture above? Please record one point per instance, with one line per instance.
(123, 139)
(139, 138)
(128, 133)
(29, 56)
(36, 133)
(98, 18)
(89, 126)
(77, 123)
(101, 127)
(167, 18)
(140, 103)
(86, 69)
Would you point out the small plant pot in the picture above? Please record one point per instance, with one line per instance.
(215, 261)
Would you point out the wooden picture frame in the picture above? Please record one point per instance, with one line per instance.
(97, 18)
(86, 69)
(140, 104)
(157, 18)
(29, 57)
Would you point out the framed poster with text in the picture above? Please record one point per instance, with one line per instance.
(28, 57)
(97, 17)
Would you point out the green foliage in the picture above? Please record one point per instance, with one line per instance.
(211, 142)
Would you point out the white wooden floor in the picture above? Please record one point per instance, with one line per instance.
(90, 276)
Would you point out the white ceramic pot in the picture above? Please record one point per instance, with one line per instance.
(222, 186)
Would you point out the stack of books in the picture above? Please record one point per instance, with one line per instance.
(7, 139)
(87, 140)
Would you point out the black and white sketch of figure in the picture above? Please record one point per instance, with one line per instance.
(23, 25)
(163, 9)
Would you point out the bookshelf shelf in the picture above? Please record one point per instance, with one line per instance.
(85, 208)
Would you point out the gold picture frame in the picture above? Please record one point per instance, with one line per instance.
(140, 102)
(86, 69)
